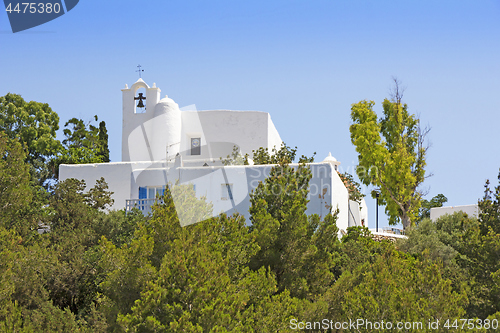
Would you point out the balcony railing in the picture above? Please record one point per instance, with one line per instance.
(144, 205)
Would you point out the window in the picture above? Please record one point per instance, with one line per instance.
(150, 192)
(156, 191)
(143, 193)
(195, 146)
(226, 191)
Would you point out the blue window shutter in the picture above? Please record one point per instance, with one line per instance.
(143, 193)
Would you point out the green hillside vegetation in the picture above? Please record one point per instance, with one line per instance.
(98, 270)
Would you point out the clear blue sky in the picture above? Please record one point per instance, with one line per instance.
(304, 62)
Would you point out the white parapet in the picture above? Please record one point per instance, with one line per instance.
(471, 210)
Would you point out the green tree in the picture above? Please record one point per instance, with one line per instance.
(99, 196)
(356, 248)
(425, 209)
(127, 270)
(297, 247)
(235, 158)
(35, 125)
(9, 254)
(70, 206)
(431, 241)
(391, 155)
(131, 265)
(15, 191)
(202, 283)
(489, 213)
(486, 268)
(56, 275)
(83, 143)
(395, 288)
(103, 141)
(26, 303)
(118, 226)
(450, 241)
(283, 155)
(468, 249)
(179, 207)
(75, 224)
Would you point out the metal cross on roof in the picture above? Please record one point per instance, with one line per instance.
(140, 70)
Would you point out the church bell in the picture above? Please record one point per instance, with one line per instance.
(140, 98)
(140, 104)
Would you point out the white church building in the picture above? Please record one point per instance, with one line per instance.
(163, 144)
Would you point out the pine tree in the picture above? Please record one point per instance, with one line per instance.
(296, 247)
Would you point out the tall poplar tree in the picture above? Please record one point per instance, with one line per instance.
(391, 155)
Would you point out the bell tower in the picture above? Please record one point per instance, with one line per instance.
(138, 103)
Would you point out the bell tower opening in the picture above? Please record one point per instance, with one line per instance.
(140, 101)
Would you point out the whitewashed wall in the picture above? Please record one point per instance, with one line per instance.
(437, 212)
(124, 179)
(273, 137)
(326, 188)
(117, 175)
(221, 129)
(340, 200)
(363, 212)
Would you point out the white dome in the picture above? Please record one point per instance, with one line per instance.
(167, 100)
(166, 104)
(330, 158)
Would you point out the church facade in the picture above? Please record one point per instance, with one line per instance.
(162, 144)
